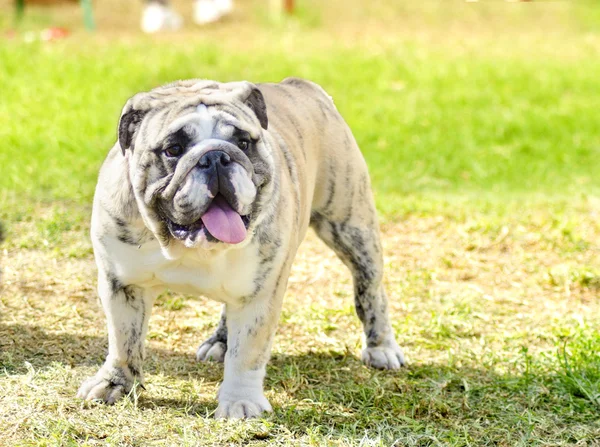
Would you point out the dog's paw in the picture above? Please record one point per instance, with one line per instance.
(211, 350)
(108, 386)
(242, 409)
(384, 357)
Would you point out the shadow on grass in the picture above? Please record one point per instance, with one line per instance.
(39, 348)
(334, 394)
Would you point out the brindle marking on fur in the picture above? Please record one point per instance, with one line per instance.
(259, 202)
(262, 173)
(300, 138)
(347, 140)
(145, 164)
(268, 251)
(330, 190)
(220, 334)
(268, 248)
(118, 221)
(279, 279)
(374, 337)
(323, 101)
(316, 219)
(162, 168)
(131, 294)
(293, 124)
(115, 284)
(135, 371)
(295, 81)
(235, 349)
(287, 94)
(325, 110)
(126, 237)
(354, 250)
(118, 378)
(293, 127)
(134, 344)
(291, 166)
(123, 233)
(363, 192)
(348, 187)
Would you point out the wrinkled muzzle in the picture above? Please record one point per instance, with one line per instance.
(211, 189)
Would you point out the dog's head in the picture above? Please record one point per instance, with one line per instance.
(198, 162)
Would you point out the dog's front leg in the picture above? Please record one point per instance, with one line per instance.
(251, 329)
(127, 310)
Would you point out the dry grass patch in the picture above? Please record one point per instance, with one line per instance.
(480, 309)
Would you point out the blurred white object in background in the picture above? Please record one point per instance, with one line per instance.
(158, 17)
(208, 11)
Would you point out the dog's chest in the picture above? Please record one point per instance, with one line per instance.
(224, 277)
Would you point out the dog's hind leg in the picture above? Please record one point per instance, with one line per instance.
(215, 347)
(347, 222)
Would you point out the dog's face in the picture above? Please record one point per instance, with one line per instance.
(198, 164)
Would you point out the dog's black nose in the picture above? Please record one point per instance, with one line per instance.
(214, 158)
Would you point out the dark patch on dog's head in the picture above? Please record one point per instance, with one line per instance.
(128, 125)
(256, 102)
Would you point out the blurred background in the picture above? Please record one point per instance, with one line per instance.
(446, 98)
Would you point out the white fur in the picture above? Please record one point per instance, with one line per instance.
(207, 123)
(214, 351)
(241, 395)
(244, 188)
(199, 191)
(200, 121)
(189, 271)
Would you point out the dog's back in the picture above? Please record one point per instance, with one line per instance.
(323, 145)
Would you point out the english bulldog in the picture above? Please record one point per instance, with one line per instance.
(210, 190)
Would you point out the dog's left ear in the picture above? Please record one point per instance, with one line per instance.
(131, 118)
(256, 102)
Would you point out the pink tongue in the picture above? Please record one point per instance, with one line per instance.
(223, 222)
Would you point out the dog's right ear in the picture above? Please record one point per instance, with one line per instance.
(131, 118)
(256, 102)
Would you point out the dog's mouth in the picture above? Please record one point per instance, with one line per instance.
(220, 222)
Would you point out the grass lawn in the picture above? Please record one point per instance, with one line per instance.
(480, 123)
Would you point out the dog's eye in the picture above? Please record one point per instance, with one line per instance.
(174, 151)
(244, 144)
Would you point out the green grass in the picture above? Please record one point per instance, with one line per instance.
(479, 123)
(430, 120)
